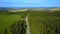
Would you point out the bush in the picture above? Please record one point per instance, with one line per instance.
(17, 28)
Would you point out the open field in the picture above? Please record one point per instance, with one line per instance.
(37, 22)
(9, 18)
(42, 22)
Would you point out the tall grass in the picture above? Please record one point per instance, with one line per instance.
(44, 22)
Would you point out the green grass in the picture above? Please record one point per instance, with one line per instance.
(44, 22)
(8, 18)
(40, 22)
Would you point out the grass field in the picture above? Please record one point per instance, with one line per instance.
(42, 22)
(7, 19)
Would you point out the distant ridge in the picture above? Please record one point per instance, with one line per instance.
(17, 8)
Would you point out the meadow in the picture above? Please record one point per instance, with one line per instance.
(40, 22)
(44, 22)
(8, 19)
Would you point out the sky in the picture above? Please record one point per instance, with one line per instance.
(29, 3)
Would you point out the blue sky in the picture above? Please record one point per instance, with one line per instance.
(29, 3)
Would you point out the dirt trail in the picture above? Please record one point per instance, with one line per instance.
(28, 29)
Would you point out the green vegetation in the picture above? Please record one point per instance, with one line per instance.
(44, 22)
(40, 22)
(16, 28)
(10, 21)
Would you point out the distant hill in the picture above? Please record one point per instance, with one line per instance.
(9, 8)
(18, 8)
